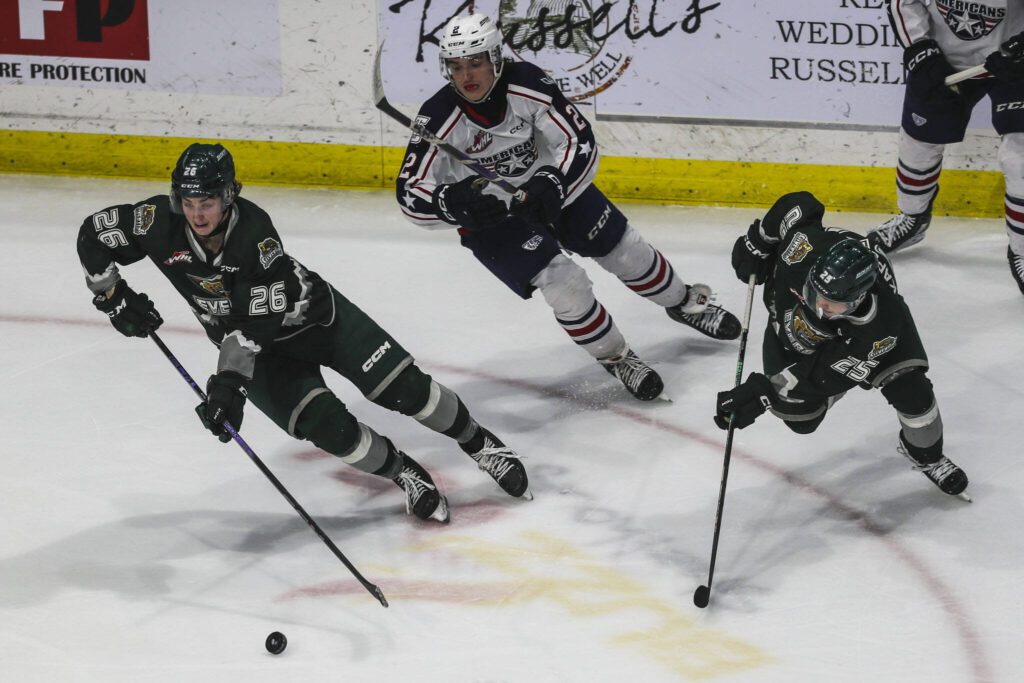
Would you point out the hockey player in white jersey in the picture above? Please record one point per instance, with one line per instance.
(941, 37)
(509, 116)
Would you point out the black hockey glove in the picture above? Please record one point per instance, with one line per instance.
(545, 192)
(752, 255)
(464, 204)
(132, 314)
(225, 400)
(1007, 63)
(748, 401)
(927, 69)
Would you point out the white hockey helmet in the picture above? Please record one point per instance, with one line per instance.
(472, 35)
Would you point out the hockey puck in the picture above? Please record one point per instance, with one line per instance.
(700, 598)
(276, 643)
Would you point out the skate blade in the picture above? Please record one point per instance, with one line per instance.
(527, 494)
(440, 513)
(664, 397)
(963, 495)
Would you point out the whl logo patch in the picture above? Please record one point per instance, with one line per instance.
(179, 257)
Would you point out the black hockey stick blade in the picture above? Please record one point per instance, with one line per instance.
(701, 596)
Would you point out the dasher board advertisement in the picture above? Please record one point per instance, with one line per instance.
(188, 46)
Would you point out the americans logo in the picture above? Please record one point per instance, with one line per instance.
(970, 20)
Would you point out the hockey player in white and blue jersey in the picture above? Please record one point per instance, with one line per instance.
(940, 37)
(509, 116)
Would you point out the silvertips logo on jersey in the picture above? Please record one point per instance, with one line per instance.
(270, 249)
(143, 216)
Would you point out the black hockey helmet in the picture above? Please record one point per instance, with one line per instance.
(204, 171)
(840, 279)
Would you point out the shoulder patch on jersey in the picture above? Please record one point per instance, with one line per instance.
(532, 243)
(144, 214)
(798, 249)
(421, 121)
(270, 249)
(881, 347)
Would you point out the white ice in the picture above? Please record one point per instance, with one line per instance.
(136, 547)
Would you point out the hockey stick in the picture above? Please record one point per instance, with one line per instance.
(373, 589)
(1012, 48)
(381, 100)
(971, 72)
(702, 595)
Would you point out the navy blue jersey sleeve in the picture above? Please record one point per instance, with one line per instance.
(565, 135)
(424, 166)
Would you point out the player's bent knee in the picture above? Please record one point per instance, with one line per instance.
(910, 393)
(327, 423)
(407, 393)
(566, 287)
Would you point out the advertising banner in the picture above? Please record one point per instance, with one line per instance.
(825, 62)
(190, 46)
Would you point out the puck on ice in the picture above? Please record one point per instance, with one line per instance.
(276, 643)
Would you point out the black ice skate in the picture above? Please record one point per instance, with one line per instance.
(421, 495)
(638, 377)
(697, 311)
(502, 463)
(900, 232)
(944, 473)
(1016, 268)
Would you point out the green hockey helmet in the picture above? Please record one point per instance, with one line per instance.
(204, 171)
(840, 279)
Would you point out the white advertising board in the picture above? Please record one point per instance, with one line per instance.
(824, 61)
(184, 46)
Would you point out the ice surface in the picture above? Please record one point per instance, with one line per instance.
(136, 547)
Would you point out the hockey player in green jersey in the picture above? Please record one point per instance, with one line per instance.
(836, 321)
(277, 324)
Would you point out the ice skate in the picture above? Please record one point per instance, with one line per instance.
(421, 495)
(697, 311)
(1016, 268)
(503, 464)
(944, 473)
(638, 377)
(901, 231)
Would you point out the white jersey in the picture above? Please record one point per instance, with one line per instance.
(536, 127)
(967, 31)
